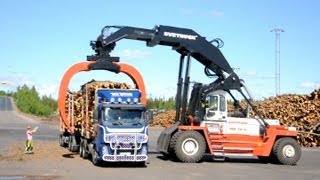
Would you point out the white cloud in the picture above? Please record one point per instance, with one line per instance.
(48, 90)
(252, 73)
(215, 13)
(187, 11)
(133, 54)
(309, 85)
(194, 11)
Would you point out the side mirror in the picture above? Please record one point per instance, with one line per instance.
(96, 115)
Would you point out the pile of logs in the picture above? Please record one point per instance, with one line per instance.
(163, 119)
(300, 111)
(80, 105)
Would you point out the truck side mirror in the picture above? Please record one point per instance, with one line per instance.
(96, 115)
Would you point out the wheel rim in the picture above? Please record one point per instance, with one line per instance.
(288, 151)
(190, 146)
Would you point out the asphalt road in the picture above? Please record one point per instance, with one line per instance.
(12, 129)
(13, 126)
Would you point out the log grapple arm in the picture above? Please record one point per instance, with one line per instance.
(182, 40)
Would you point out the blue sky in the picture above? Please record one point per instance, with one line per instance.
(39, 40)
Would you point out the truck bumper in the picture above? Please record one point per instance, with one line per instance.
(127, 158)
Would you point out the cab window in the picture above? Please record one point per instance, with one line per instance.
(222, 103)
(213, 103)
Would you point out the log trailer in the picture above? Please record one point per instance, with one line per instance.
(117, 130)
(203, 124)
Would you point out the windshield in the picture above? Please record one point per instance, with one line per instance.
(117, 116)
(212, 102)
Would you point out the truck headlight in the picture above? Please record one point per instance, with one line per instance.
(110, 138)
(142, 138)
(144, 150)
(104, 150)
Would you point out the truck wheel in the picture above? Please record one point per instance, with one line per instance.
(61, 141)
(81, 148)
(171, 152)
(189, 146)
(70, 143)
(141, 164)
(287, 151)
(95, 160)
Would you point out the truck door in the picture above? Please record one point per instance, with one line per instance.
(216, 108)
(216, 113)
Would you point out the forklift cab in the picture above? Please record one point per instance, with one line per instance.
(216, 106)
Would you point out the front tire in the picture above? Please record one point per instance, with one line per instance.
(287, 151)
(95, 159)
(189, 146)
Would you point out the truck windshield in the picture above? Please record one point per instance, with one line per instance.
(117, 116)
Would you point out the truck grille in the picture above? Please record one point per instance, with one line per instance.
(123, 146)
(126, 138)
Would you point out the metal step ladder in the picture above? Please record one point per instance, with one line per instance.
(217, 148)
(216, 142)
(218, 152)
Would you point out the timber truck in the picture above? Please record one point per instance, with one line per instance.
(203, 124)
(110, 125)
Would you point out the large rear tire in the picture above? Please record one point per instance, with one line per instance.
(286, 151)
(61, 141)
(81, 148)
(83, 153)
(70, 143)
(189, 146)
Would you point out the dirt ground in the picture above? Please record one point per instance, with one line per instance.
(47, 158)
(42, 150)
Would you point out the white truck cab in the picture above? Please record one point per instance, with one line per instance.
(219, 121)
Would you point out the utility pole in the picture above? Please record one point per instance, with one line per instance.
(277, 32)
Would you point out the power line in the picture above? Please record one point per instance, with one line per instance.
(277, 32)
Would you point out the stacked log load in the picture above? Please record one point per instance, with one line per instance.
(300, 111)
(84, 102)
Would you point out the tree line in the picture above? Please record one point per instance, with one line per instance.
(29, 101)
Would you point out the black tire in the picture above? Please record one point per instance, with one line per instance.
(264, 159)
(70, 143)
(141, 164)
(173, 141)
(81, 150)
(286, 151)
(196, 146)
(61, 142)
(94, 158)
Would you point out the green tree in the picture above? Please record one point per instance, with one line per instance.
(161, 103)
(29, 101)
(3, 93)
